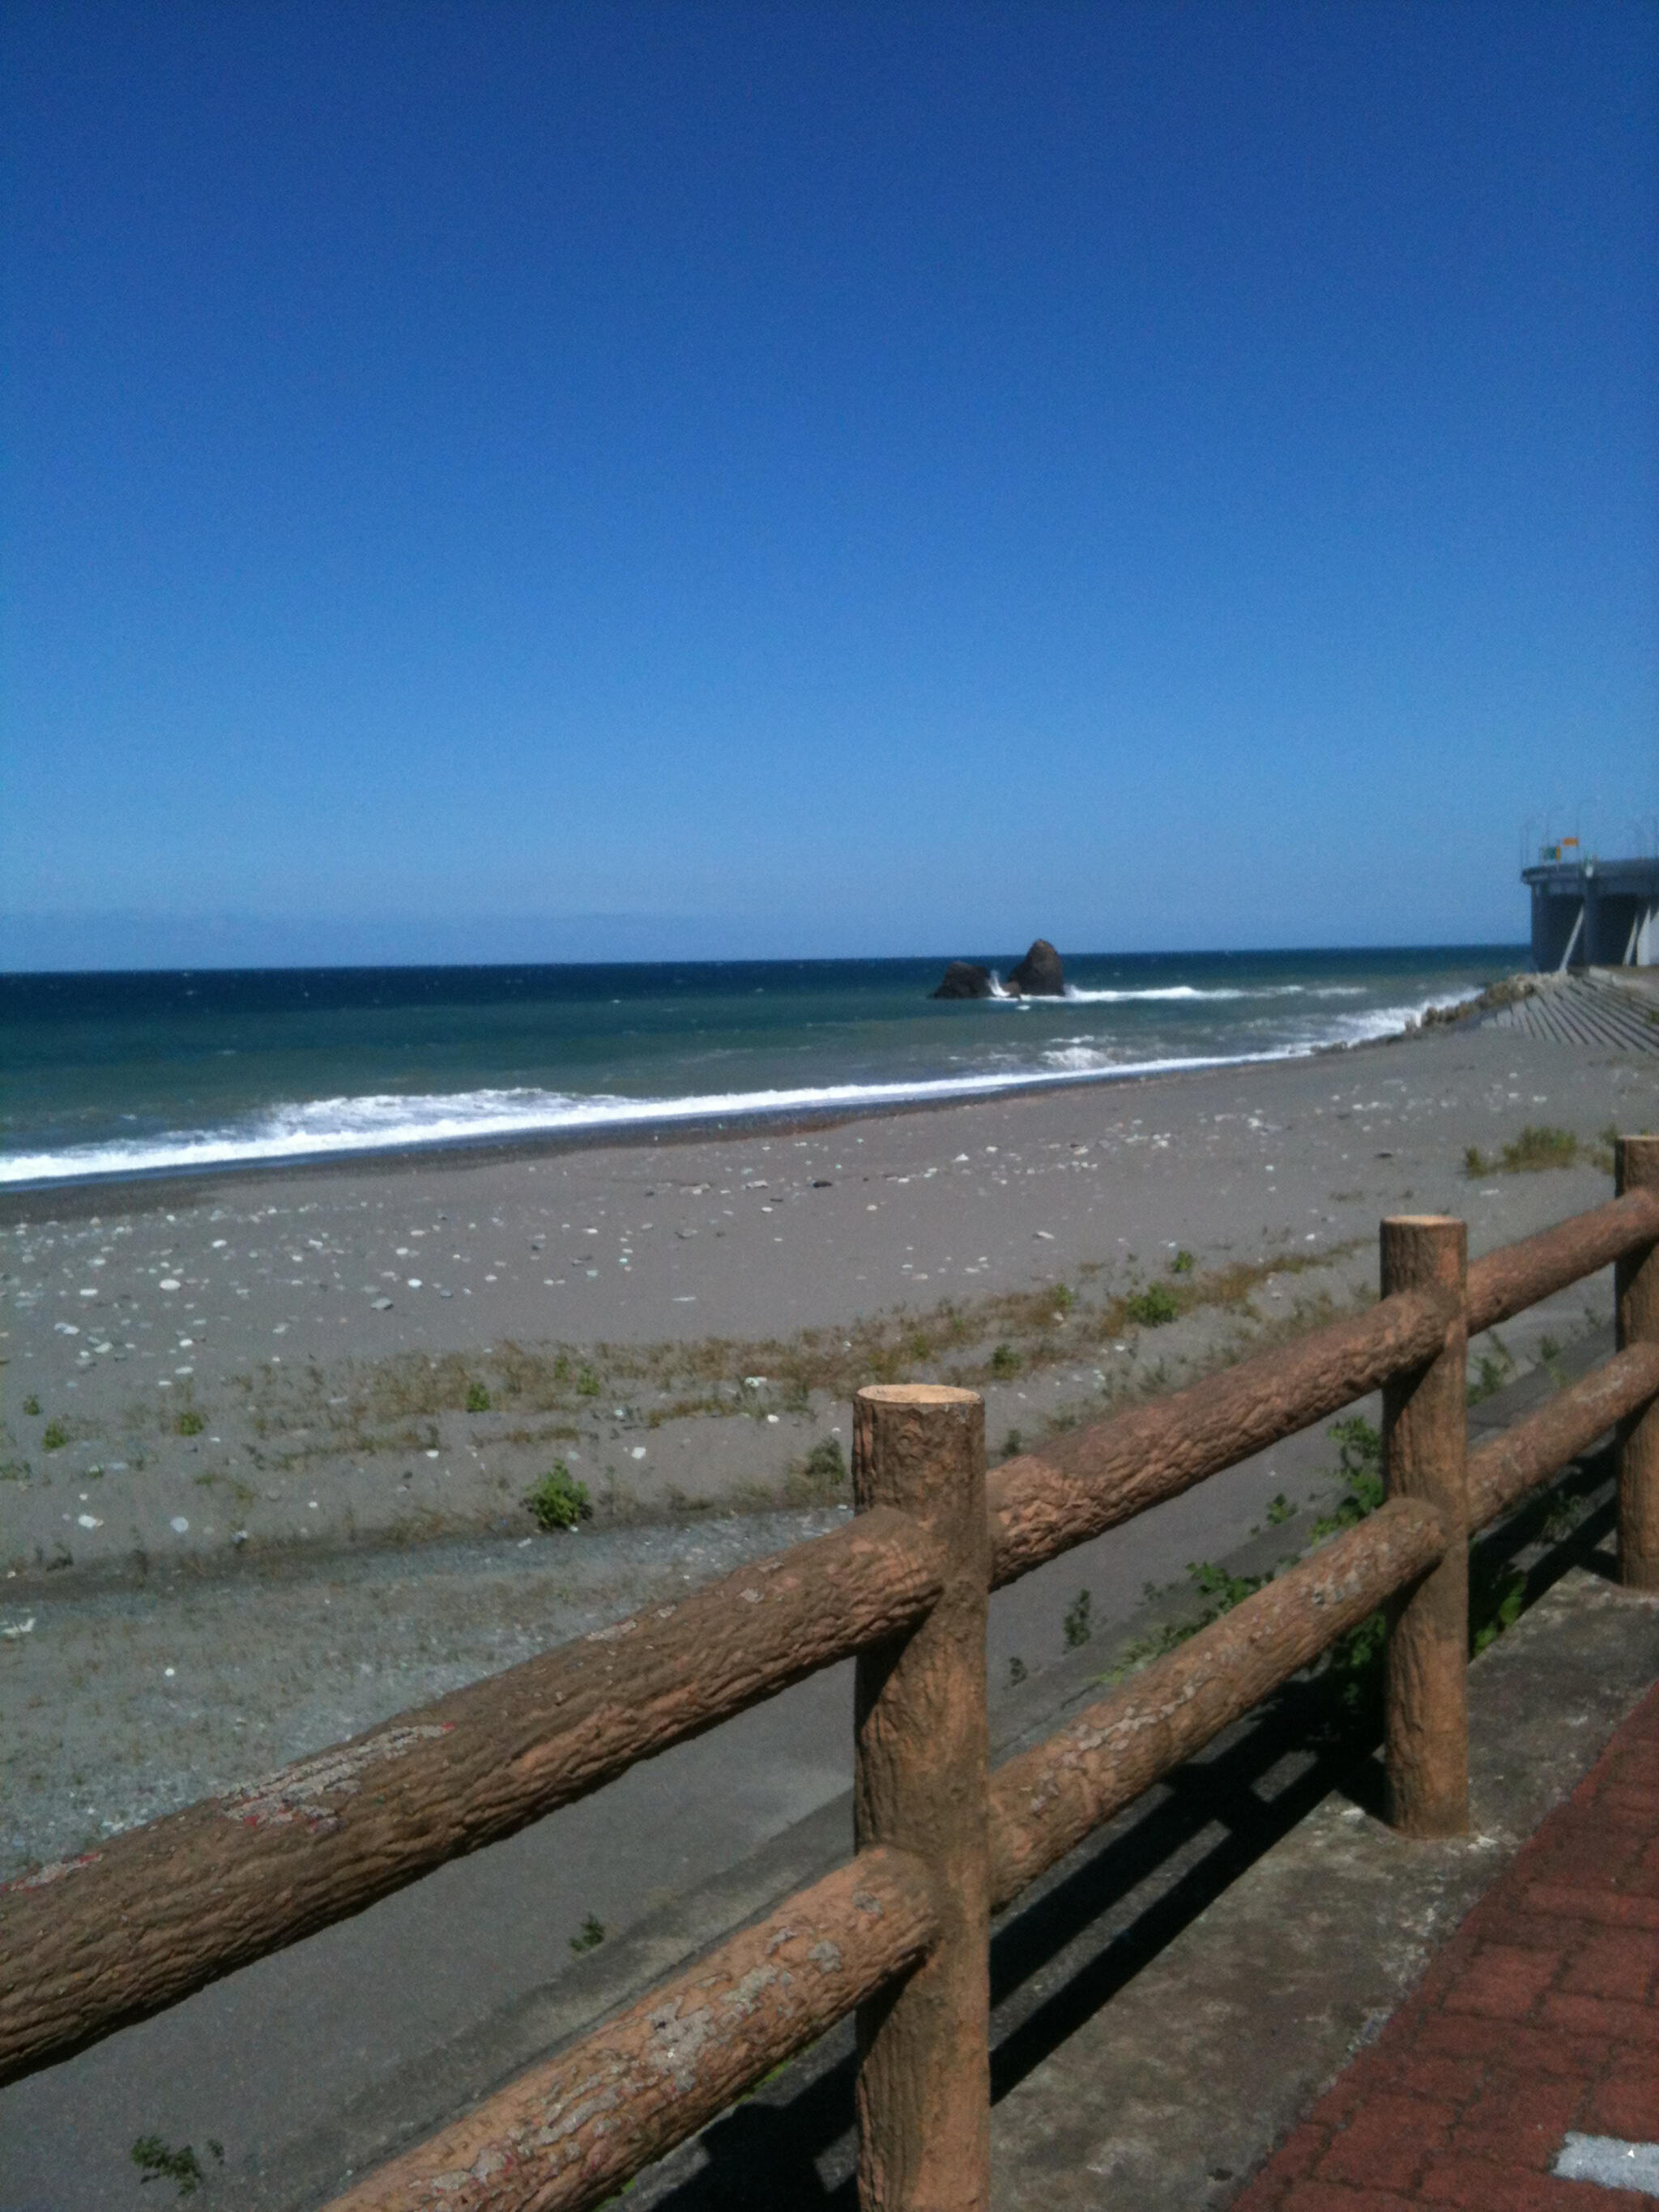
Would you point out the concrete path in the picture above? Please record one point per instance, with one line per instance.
(1531, 2052)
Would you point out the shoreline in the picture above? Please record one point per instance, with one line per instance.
(391, 1351)
(657, 1072)
(132, 1190)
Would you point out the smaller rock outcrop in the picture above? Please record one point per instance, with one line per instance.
(965, 979)
(1039, 975)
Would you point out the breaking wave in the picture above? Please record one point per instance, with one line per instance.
(343, 1127)
(1191, 993)
(325, 1128)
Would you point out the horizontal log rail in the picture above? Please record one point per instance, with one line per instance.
(568, 2135)
(1521, 1274)
(133, 1926)
(1529, 1452)
(1045, 1801)
(1081, 1485)
(85, 1948)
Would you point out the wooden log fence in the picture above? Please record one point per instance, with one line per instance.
(900, 1936)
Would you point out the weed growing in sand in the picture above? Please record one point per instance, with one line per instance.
(1496, 1596)
(1359, 1467)
(54, 1436)
(558, 1500)
(1280, 1509)
(32, 1407)
(1183, 1263)
(1013, 1445)
(477, 1398)
(1492, 1370)
(394, 1405)
(1153, 1306)
(1534, 1150)
(1219, 1592)
(190, 1423)
(1075, 1624)
(592, 1935)
(822, 1473)
(157, 2161)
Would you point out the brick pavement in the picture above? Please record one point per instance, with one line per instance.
(1540, 2015)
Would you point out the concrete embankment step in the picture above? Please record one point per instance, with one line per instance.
(1585, 1011)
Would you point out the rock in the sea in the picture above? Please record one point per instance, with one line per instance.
(965, 979)
(1039, 975)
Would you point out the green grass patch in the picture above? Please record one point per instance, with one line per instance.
(477, 1398)
(558, 1500)
(1536, 1148)
(157, 2161)
(190, 1423)
(1492, 1370)
(822, 1475)
(54, 1436)
(1154, 1306)
(1359, 1470)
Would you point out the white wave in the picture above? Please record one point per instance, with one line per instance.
(1079, 996)
(1081, 1058)
(326, 1128)
(1387, 1021)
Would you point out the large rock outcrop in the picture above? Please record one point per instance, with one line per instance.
(1039, 975)
(965, 979)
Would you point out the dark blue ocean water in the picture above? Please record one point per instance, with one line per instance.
(129, 1073)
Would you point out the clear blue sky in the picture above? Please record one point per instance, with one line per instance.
(821, 479)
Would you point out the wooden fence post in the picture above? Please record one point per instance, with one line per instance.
(922, 1783)
(1424, 1423)
(1635, 1283)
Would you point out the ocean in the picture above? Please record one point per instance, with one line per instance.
(123, 1075)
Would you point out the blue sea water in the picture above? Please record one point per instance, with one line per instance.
(135, 1073)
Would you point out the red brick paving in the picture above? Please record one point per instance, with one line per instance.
(1540, 2016)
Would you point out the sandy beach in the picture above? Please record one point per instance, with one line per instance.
(284, 1360)
(231, 1404)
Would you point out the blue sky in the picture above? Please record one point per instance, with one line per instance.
(511, 480)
